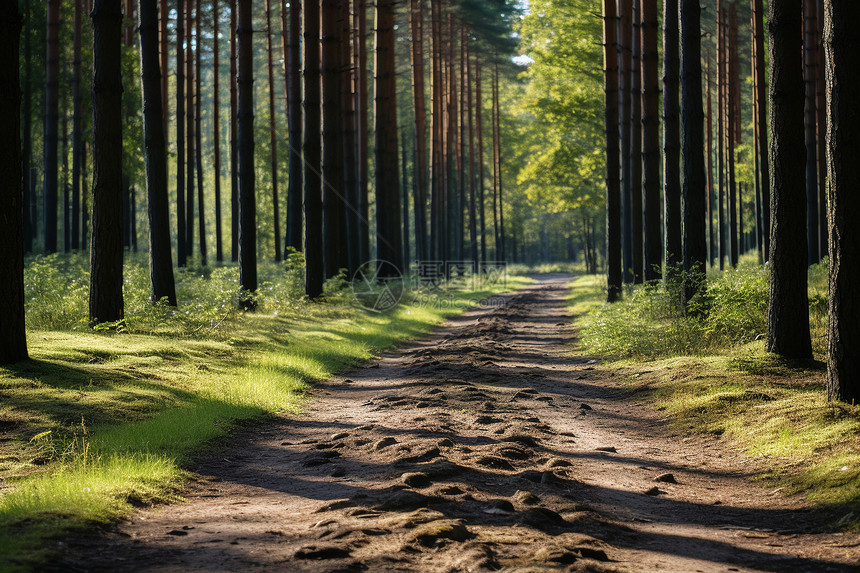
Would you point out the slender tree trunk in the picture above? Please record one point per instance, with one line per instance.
(216, 127)
(671, 138)
(67, 197)
(314, 269)
(106, 300)
(788, 311)
(13, 337)
(760, 232)
(389, 245)
(181, 248)
(52, 121)
(636, 141)
(498, 144)
(651, 140)
(436, 169)
(810, 65)
(404, 203)
(731, 74)
(692, 121)
(473, 211)
(273, 138)
(234, 137)
(164, 17)
(352, 201)
(198, 139)
(155, 152)
(479, 109)
(842, 48)
(190, 129)
(760, 103)
(709, 160)
(721, 132)
(29, 222)
(416, 23)
(292, 72)
(77, 137)
(247, 193)
(362, 108)
(85, 201)
(613, 167)
(821, 125)
(625, 32)
(453, 228)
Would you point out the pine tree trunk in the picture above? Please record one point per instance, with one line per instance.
(731, 75)
(293, 71)
(389, 245)
(636, 141)
(106, 299)
(821, 133)
(756, 155)
(788, 311)
(198, 139)
(181, 249)
(692, 121)
(436, 166)
(77, 137)
(164, 16)
(613, 167)
(362, 109)
(314, 269)
(709, 161)
(625, 54)
(473, 223)
(155, 152)
(651, 140)
(671, 138)
(810, 75)
(247, 192)
(416, 23)
(273, 138)
(216, 127)
(842, 46)
(760, 102)
(29, 223)
(352, 200)
(13, 337)
(479, 109)
(67, 198)
(234, 137)
(336, 256)
(190, 125)
(52, 122)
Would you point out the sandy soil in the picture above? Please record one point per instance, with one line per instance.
(487, 446)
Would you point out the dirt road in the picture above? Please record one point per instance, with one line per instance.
(487, 446)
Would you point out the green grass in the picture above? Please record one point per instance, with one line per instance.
(99, 422)
(769, 408)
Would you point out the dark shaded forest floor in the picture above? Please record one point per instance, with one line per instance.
(487, 446)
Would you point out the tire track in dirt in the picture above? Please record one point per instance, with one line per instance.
(485, 447)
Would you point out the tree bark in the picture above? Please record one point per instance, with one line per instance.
(190, 128)
(52, 122)
(473, 211)
(352, 199)
(362, 109)
(273, 138)
(181, 249)
(292, 72)
(106, 298)
(613, 167)
(672, 138)
(788, 311)
(842, 48)
(416, 23)
(216, 127)
(636, 141)
(731, 135)
(155, 152)
(651, 140)
(692, 121)
(13, 336)
(479, 103)
(234, 138)
(198, 139)
(625, 32)
(336, 255)
(77, 137)
(810, 69)
(247, 192)
(314, 269)
(761, 112)
(389, 245)
(709, 161)
(164, 16)
(721, 132)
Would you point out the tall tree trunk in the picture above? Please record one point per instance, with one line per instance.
(163, 19)
(416, 23)
(67, 198)
(13, 337)
(362, 109)
(436, 177)
(350, 144)
(721, 132)
(731, 135)
(452, 197)
(497, 142)
(479, 109)
(314, 269)
(709, 160)
(842, 47)
(613, 167)
(636, 140)
(181, 248)
(473, 211)
(77, 137)
(292, 72)
(810, 65)
(821, 121)
(672, 138)
(234, 137)
(29, 222)
(760, 231)
(52, 121)
(198, 136)
(335, 257)
(651, 140)
(404, 203)
(692, 121)
(625, 32)
(273, 138)
(247, 193)
(155, 152)
(106, 301)
(788, 311)
(190, 139)
(389, 245)
(216, 127)
(760, 103)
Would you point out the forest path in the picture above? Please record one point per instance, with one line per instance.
(523, 458)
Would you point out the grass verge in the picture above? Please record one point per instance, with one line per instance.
(774, 410)
(98, 423)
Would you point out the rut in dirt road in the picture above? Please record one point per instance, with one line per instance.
(486, 447)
